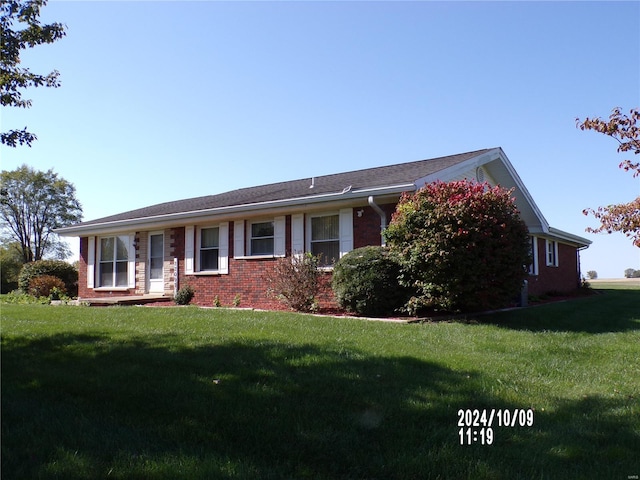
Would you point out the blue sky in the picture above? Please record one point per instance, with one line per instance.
(168, 100)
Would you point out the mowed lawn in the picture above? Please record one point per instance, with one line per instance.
(190, 393)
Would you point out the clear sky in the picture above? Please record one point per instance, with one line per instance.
(168, 100)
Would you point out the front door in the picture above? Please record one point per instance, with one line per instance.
(156, 262)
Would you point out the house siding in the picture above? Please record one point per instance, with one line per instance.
(551, 279)
(246, 278)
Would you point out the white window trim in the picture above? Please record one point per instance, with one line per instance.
(250, 237)
(199, 230)
(95, 257)
(297, 234)
(554, 262)
(242, 238)
(533, 267)
(345, 231)
(192, 249)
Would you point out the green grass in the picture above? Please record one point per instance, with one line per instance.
(188, 393)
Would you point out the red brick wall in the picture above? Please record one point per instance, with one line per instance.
(366, 228)
(561, 279)
(83, 291)
(246, 276)
(246, 279)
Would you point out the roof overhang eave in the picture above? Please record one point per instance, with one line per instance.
(141, 223)
(567, 237)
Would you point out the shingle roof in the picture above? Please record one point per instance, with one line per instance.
(403, 173)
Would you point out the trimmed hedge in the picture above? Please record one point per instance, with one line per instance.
(56, 268)
(365, 281)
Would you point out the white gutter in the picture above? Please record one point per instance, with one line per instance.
(175, 218)
(570, 237)
(383, 218)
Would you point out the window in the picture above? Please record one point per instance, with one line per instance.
(114, 260)
(209, 248)
(552, 253)
(533, 252)
(262, 238)
(325, 238)
(206, 249)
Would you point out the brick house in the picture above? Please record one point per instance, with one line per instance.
(225, 244)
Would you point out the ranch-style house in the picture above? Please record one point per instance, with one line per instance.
(224, 245)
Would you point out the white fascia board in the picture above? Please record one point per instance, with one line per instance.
(481, 160)
(566, 237)
(455, 170)
(225, 213)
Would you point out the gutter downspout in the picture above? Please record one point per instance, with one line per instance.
(383, 218)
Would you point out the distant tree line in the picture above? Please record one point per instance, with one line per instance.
(631, 273)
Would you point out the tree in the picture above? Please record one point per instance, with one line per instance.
(462, 246)
(12, 76)
(624, 217)
(631, 273)
(32, 205)
(11, 262)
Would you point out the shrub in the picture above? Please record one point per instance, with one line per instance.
(184, 295)
(56, 268)
(294, 281)
(45, 286)
(462, 246)
(19, 297)
(365, 281)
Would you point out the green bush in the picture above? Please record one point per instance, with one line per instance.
(365, 281)
(47, 285)
(56, 268)
(184, 295)
(19, 297)
(462, 246)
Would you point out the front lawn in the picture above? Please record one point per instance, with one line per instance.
(189, 393)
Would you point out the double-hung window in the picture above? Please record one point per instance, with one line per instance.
(206, 249)
(209, 249)
(325, 238)
(114, 260)
(552, 253)
(262, 238)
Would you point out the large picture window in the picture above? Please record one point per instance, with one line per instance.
(325, 238)
(114, 260)
(209, 248)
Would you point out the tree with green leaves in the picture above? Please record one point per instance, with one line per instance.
(14, 77)
(462, 246)
(11, 262)
(32, 205)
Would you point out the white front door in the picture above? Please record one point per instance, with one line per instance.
(156, 262)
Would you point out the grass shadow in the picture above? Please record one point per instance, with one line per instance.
(87, 406)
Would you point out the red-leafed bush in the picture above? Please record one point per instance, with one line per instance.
(294, 281)
(44, 285)
(462, 246)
